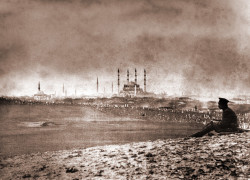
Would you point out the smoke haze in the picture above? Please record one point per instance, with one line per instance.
(186, 46)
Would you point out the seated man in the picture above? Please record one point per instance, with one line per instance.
(228, 123)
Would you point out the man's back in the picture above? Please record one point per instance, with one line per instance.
(229, 119)
(229, 122)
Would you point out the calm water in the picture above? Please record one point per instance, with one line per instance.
(39, 128)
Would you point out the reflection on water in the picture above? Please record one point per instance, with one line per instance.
(38, 128)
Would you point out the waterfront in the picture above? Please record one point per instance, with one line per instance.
(27, 129)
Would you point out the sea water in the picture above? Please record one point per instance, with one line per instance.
(38, 128)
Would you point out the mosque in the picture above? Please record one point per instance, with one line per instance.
(132, 88)
(40, 95)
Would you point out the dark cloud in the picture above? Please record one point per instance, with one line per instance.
(151, 9)
(7, 84)
(217, 64)
(4, 15)
(10, 59)
(147, 47)
(91, 2)
(184, 44)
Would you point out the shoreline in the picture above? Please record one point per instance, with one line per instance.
(225, 156)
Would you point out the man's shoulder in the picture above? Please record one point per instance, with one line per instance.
(229, 111)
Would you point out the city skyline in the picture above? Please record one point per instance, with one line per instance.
(187, 47)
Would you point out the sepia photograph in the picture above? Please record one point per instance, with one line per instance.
(124, 89)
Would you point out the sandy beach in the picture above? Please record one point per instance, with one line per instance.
(216, 157)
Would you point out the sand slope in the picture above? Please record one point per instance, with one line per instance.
(216, 157)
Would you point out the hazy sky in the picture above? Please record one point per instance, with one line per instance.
(186, 46)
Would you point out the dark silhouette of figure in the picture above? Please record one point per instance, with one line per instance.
(229, 122)
(195, 108)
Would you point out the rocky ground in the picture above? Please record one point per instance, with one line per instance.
(216, 157)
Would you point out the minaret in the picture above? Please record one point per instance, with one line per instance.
(39, 86)
(63, 88)
(112, 88)
(127, 76)
(144, 80)
(118, 81)
(135, 89)
(135, 77)
(97, 84)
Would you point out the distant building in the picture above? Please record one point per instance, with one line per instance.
(132, 89)
(40, 95)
